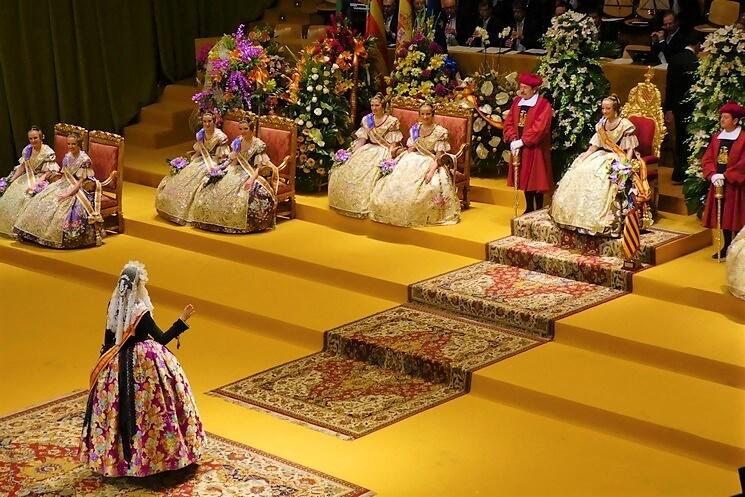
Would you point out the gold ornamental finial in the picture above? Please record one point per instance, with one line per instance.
(649, 74)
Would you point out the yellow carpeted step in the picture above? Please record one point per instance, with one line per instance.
(146, 166)
(697, 418)
(473, 445)
(674, 336)
(155, 135)
(171, 114)
(696, 280)
(236, 292)
(180, 92)
(312, 251)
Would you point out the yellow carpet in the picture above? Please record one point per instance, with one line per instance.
(470, 446)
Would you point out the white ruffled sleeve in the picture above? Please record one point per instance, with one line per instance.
(629, 141)
(394, 135)
(361, 133)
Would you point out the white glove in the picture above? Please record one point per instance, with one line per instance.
(516, 145)
(717, 179)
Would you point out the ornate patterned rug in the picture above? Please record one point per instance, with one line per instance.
(378, 370)
(557, 261)
(538, 225)
(510, 296)
(39, 448)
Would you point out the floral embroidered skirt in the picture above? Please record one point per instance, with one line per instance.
(736, 266)
(12, 203)
(175, 194)
(351, 183)
(225, 206)
(168, 433)
(63, 224)
(403, 198)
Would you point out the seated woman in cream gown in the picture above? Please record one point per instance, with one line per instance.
(244, 200)
(175, 194)
(419, 191)
(736, 266)
(586, 199)
(66, 215)
(352, 182)
(36, 165)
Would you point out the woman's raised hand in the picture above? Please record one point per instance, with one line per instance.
(187, 313)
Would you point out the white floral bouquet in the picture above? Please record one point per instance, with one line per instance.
(483, 34)
(720, 77)
(574, 83)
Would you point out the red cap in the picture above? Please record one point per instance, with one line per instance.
(737, 110)
(530, 79)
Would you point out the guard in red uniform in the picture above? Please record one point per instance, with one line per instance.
(724, 165)
(528, 131)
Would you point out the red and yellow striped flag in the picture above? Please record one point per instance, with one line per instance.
(405, 22)
(376, 27)
(631, 234)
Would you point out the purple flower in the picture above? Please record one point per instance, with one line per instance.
(3, 184)
(418, 38)
(239, 32)
(177, 164)
(248, 51)
(414, 131)
(39, 186)
(236, 145)
(27, 152)
(441, 89)
(200, 135)
(219, 66)
(387, 166)
(342, 155)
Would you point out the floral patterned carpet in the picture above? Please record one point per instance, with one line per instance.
(38, 456)
(379, 370)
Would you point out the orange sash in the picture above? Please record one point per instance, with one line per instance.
(639, 176)
(113, 351)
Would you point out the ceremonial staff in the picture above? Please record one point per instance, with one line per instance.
(516, 178)
(719, 196)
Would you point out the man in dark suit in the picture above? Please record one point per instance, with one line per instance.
(454, 25)
(487, 21)
(524, 34)
(670, 40)
(390, 21)
(681, 74)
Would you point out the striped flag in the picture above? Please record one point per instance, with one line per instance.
(631, 234)
(405, 22)
(376, 27)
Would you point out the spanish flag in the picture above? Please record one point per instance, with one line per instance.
(405, 22)
(376, 28)
(631, 234)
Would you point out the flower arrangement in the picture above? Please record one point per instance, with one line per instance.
(494, 94)
(483, 35)
(422, 69)
(242, 72)
(387, 166)
(341, 156)
(177, 164)
(574, 83)
(213, 174)
(39, 187)
(320, 98)
(4, 183)
(720, 77)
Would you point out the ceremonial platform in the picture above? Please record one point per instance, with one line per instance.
(491, 357)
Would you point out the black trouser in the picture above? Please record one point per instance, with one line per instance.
(681, 150)
(533, 201)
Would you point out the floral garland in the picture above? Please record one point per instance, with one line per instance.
(494, 94)
(422, 69)
(319, 95)
(574, 83)
(720, 77)
(243, 72)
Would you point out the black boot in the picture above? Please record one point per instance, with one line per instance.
(538, 201)
(722, 254)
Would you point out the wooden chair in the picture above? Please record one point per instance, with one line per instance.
(231, 122)
(721, 13)
(618, 8)
(61, 131)
(280, 136)
(106, 151)
(644, 109)
(459, 123)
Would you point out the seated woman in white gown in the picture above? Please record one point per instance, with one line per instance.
(736, 266)
(420, 190)
(588, 199)
(351, 182)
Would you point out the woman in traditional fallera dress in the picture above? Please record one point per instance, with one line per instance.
(175, 194)
(723, 165)
(66, 214)
(244, 199)
(586, 199)
(31, 176)
(419, 191)
(141, 417)
(352, 182)
(736, 266)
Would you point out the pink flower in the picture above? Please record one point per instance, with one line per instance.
(441, 89)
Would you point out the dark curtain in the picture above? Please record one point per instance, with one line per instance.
(96, 62)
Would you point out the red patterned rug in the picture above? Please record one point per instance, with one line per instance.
(38, 457)
(510, 296)
(378, 370)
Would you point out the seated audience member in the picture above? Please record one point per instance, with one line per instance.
(669, 40)
(453, 25)
(560, 8)
(487, 21)
(390, 21)
(524, 34)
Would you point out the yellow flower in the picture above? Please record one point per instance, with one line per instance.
(437, 61)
